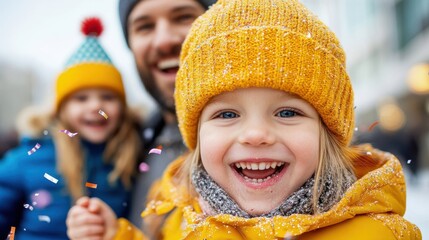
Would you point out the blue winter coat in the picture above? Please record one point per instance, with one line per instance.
(22, 176)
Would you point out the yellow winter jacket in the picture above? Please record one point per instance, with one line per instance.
(371, 209)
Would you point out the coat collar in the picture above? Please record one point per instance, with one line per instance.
(380, 188)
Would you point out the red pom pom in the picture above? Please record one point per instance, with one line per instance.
(92, 26)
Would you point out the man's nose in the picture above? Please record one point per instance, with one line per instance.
(166, 37)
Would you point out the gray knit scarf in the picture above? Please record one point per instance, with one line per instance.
(299, 202)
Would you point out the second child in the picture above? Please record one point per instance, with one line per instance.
(88, 147)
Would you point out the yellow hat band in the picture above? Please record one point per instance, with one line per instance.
(87, 75)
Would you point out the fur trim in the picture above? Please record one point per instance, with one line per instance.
(33, 120)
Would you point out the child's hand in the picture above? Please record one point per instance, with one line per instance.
(91, 218)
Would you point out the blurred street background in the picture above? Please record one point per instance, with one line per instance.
(386, 42)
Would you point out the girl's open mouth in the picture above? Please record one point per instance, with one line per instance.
(258, 172)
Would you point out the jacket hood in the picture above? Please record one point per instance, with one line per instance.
(379, 192)
(33, 120)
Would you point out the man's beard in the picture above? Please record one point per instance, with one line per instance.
(151, 87)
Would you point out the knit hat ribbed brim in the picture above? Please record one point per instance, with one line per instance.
(276, 44)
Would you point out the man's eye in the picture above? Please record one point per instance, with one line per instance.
(227, 115)
(144, 27)
(287, 113)
(186, 18)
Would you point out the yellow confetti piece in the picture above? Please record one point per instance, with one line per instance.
(102, 114)
(90, 185)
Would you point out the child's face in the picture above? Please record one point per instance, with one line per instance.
(81, 112)
(272, 131)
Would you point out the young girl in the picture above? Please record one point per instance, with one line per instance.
(88, 147)
(265, 107)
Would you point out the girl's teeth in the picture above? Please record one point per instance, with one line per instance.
(258, 166)
(254, 180)
(255, 166)
(243, 165)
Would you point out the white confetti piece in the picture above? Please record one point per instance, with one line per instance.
(44, 218)
(408, 161)
(33, 150)
(50, 178)
(70, 134)
(28, 206)
(102, 114)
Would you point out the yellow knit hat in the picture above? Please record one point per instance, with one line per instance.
(263, 43)
(88, 67)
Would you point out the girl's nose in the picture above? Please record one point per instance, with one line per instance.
(257, 133)
(95, 104)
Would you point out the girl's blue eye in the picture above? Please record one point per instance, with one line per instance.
(227, 115)
(287, 113)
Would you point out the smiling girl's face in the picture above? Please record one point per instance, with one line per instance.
(259, 145)
(81, 112)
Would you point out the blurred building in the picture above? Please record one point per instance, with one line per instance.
(384, 40)
(16, 93)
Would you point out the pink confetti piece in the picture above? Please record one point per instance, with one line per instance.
(50, 178)
(155, 150)
(144, 167)
(102, 114)
(33, 150)
(70, 134)
(41, 199)
(44, 218)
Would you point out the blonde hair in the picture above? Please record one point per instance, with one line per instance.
(333, 158)
(122, 150)
(336, 159)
